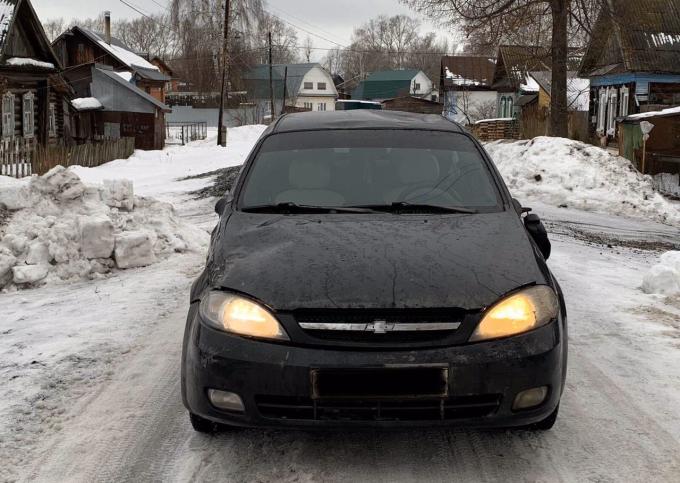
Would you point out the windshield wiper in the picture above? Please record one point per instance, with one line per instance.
(405, 206)
(290, 207)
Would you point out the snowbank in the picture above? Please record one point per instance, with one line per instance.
(86, 103)
(664, 277)
(567, 173)
(61, 229)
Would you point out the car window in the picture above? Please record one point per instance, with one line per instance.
(364, 167)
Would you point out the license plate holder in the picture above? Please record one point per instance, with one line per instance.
(387, 382)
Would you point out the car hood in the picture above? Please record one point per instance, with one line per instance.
(373, 261)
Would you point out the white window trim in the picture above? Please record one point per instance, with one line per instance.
(602, 109)
(625, 101)
(611, 112)
(8, 115)
(28, 115)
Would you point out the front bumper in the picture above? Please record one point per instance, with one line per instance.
(274, 382)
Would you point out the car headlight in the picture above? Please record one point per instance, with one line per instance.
(520, 312)
(239, 315)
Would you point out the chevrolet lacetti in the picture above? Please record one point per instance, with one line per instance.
(370, 268)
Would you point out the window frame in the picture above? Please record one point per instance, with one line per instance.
(28, 115)
(8, 113)
(308, 86)
(52, 120)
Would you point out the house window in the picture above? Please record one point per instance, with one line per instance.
(8, 115)
(321, 106)
(506, 107)
(52, 128)
(321, 86)
(309, 105)
(611, 117)
(28, 115)
(309, 86)
(602, 110)
(625, 100)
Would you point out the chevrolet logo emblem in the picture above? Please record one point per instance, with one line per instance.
(379, 327)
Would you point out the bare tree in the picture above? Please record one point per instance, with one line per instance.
(150, 35)
(284, 41)
(54, 28)
(307, 49)
(496, 20)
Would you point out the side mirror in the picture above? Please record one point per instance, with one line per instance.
(534, 226)
(222, 203)
(519, 208)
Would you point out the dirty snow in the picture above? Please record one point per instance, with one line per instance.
(28, 62)
(86, 103)
(93, 395)
(566, 173)
(63, 230)
(664, 277)
(663, 112)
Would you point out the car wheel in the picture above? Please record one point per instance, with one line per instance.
(203, 425)
(545, 424)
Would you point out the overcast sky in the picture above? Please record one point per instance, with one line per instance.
(333, 20)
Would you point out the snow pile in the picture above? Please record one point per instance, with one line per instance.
(62, 229)
(664, 277)
(28, 62)
(571, 174)
(86, 103)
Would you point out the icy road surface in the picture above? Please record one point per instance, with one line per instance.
(91, 380)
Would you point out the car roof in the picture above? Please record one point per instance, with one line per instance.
(362, 119)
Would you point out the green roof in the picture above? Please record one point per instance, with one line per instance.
(393, 75)
(385, 84)
(257, 79)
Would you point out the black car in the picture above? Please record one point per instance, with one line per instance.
(370, 268)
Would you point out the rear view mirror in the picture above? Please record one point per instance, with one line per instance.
(536, 229)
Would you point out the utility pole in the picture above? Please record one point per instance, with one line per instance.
(285, 91)
(271, 79)
(224, 92)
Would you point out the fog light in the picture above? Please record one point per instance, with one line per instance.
(228, 401)
(530, 398)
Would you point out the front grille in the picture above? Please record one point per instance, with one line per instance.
(295, 408)
(380, 326)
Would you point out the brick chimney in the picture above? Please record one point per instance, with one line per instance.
(107, 27)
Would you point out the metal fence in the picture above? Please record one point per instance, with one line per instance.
(184, 132)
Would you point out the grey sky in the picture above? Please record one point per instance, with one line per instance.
(333, 20)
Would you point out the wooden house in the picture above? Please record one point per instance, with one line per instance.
(632, 61)
(79, 46)
(412, 104)
(34, 100)
(172, 84)
(465, 86)
(111, 107)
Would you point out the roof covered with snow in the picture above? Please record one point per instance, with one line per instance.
(18, 18)
(468, 70)
(86, 104)
(671, 111)
(635, 36)
(578, 90)
(124, 54)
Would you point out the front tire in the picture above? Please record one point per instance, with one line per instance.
(203, 425)
(545, 424)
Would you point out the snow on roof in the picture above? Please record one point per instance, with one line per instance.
(530, 84)
(460, 80)
(578, 94)
(86, 103)
(662, 39)
(495, 119)
(6, 14)
(359, 101)
(120, 51)
(125, 75)
(28, 62)
(663, 112)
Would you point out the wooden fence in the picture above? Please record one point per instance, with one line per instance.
(16, 157)
(20, 157)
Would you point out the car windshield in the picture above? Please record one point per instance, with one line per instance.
(369, 168)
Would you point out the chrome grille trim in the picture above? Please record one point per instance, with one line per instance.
(381, 327)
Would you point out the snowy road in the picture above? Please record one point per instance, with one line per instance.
(104, 402)
(620, 418)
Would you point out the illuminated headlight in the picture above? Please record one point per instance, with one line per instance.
(232, 313)
(520, 312)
